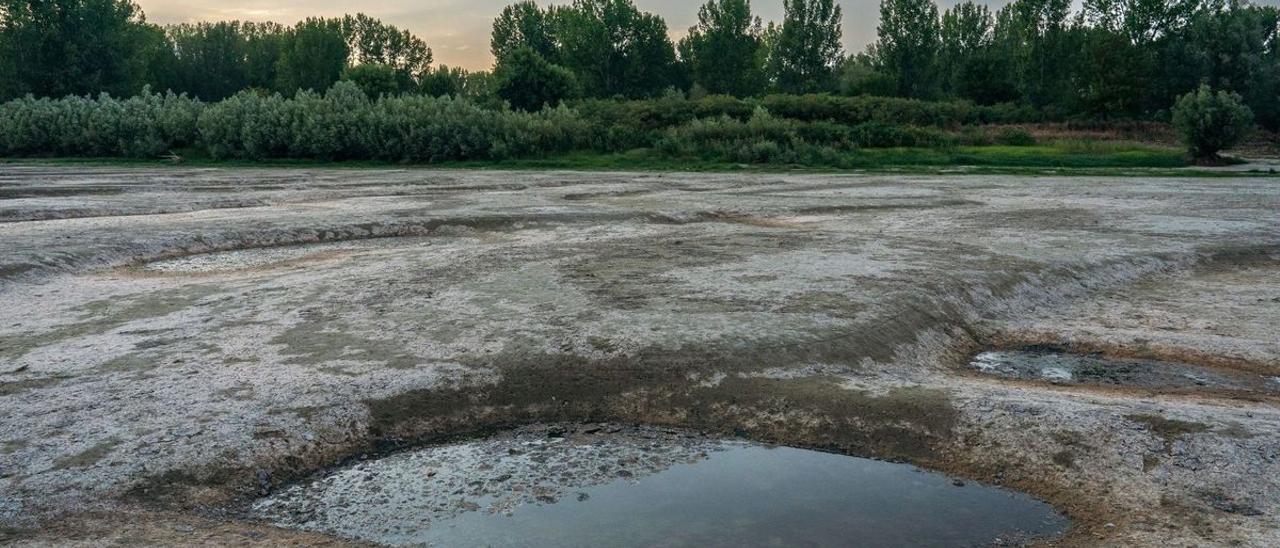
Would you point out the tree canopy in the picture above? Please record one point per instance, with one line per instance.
(807, 47)
(1099, 59)
(725, 50)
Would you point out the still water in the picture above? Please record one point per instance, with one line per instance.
(646, 489)
(1088, 369)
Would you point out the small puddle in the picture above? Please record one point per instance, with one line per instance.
(1084, 369)
(623, 486)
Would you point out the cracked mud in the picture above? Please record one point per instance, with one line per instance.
(174, 342)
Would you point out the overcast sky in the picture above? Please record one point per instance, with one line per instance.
(458, 30)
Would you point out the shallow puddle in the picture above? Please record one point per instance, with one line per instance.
(1066, 368)
(614, 486)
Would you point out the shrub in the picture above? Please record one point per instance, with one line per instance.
(883, 135)
(765, 138)
(761, 139)
(143, 126)
(344, 124)
(247, 125)
(1211, 122)
(374, 79)
(1015, 137)
(529, 82)
(861, 109)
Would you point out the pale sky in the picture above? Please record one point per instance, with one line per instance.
(458, 30)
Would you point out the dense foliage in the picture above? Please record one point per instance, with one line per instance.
(724, 52)
(344, 123)
(350, 122)
(604, 75)
(529, 82)
(51, 48)
(145, 125)
(1210, 122)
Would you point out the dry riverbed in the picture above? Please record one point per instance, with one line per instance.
(176, 343)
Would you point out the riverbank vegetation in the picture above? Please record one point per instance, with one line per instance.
(600, 77)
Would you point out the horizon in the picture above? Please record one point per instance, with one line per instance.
(464, 40)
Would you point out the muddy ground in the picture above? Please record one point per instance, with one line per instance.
(175, 342)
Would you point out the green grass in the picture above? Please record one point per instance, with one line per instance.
(1094, 158)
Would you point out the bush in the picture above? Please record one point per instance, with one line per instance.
(1015, 137)
(761, 139)
(1211, 122)
(374, 79)
(144, 126)
(862, 109)
(344, 124)
(529, 82)
(246, 125)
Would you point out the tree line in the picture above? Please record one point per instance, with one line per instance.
(1109, 59)
(80, 47)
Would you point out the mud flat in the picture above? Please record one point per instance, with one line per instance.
(176, 344)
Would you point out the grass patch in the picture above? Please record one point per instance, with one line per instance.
(1063, 157)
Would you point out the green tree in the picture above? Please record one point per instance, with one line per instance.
(313, 56)
(211, 59)
(859, 75)
(373, 79)
(1211, 122)
(63, 47)
(965, 34)
(1139, 21)
(524, 25)
(443, 81)
(263, 45)
(154, 60)
(1231, 46)
(1041, 48)
(1113, 75)
(615, 49)
(723, 50)
(370, 41)
(807, 48)
(529, 82)
(986, 78)
(908, 45)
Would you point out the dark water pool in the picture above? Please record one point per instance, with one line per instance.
(1067, 368)
(648, 488)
